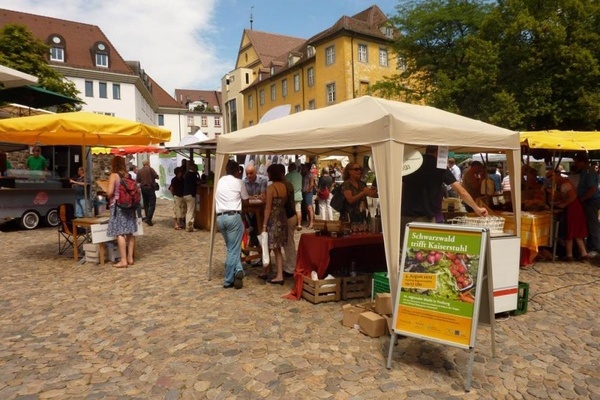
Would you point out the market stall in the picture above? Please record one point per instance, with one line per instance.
(377, 127)
(200, 145)
(79, 128)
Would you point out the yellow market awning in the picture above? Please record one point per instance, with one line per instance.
(80, 128)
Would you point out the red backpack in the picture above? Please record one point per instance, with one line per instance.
(129, 194)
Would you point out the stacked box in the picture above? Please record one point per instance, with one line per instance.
(355, 287)
(92, 253)
(112, 251)
(322, 290)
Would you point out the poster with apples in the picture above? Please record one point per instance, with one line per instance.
(440, 268)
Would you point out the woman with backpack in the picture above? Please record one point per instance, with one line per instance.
(122, 222)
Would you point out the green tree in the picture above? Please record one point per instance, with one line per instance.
(521, 64)
(20, 50)
(549, 54)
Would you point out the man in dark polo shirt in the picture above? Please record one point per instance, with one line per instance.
(146, 177)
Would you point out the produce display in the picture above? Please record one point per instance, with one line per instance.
(455, 273)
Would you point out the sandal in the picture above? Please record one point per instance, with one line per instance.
(117, 265)
(177, 228)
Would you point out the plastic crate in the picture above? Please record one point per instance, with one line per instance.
(522, 298)
(381, 283)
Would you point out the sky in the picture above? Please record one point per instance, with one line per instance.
(192, 44)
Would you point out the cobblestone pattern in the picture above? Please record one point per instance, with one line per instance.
(160, 329)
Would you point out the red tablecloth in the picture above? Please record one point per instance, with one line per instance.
(315, 253)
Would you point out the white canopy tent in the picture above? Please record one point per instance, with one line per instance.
(379, 127)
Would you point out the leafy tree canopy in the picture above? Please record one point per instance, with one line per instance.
(20, 50)
(521, 64)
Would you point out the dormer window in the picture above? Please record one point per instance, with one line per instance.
(310, 51)
(272, 70)
(57, 48)
(101, 55)
(389, 32)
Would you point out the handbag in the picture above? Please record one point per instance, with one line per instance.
(155, 186)
(338, 201)
(323, 193)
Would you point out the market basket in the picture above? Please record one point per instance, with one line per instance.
(494, 223)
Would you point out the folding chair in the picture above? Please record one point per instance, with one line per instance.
(66, 213)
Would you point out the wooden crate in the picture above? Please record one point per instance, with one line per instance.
(356, 287)
(320, 291)
(332, 226)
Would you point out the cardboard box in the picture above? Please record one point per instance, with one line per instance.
(372, 324)
(383, 304)
(351, 314)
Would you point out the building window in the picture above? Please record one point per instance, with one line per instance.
(204, 121)
(261, 97)
(311, 104)
(362, 53)
(102, 60)
(250, 102)
(102, 90)
(217, 122)
(57, 48)
(284, 88)
(329, 55)
(297, 108)
(330, 93)
(161, 120)
(310, 76)
(57, 54)
(190, 120)
(383, 57)
(389, 32)
(101, 54)
(273, 92)
(116, 91)
(401, 63)
(89, 89)
(310, 51)
(296, 82)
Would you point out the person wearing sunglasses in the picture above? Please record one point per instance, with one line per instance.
(355, 192)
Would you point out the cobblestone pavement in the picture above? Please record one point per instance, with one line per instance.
(161, 330)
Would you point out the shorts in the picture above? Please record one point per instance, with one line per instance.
(307, 198)
(298, 206)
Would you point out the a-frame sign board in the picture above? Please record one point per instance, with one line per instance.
(445, 287)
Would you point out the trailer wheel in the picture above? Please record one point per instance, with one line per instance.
(52, 217)
(30, 219)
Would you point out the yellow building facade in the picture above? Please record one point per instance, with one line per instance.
(335, 65)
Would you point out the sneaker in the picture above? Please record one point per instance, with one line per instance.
(238, 283)
(228, 286)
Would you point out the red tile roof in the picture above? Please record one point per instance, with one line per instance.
(367, 22)
(212, 97)
(80, 39)
(268, 46)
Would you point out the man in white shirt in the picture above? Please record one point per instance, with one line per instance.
(457, 175)
(230, 196)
